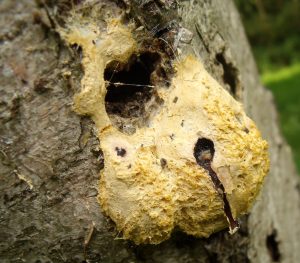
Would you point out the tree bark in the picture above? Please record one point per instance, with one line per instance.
(50, 156)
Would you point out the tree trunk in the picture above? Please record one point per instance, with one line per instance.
(50, 156)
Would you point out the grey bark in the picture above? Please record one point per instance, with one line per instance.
(50, 159)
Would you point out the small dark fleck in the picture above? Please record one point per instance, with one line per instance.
(163, 162)
(175, 99)
(182, 123)
(94, 42)
(129, 166)
(40, 85)
(246, 130)
(120, 151)
(172, 136)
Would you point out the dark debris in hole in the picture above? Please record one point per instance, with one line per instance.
(77, 50)
(128, 83)
(131, 87)
(204, 153)
(272, 246)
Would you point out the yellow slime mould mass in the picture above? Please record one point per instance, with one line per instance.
(197, 165)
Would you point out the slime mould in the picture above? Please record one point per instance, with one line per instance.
(197, 165)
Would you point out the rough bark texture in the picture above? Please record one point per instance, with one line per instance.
(50, 159)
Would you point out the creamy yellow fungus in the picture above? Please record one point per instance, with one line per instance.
(152, 180)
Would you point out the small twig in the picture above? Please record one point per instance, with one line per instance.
(88, 238)
(201, 37)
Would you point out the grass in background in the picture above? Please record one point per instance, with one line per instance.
(275, 56)
(285, 84)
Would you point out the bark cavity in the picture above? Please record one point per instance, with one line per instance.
(131, 90)
(204, 152)
(272, 246)
(230, 74)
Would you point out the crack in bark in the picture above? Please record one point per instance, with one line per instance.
(230, 73)
(204, 153)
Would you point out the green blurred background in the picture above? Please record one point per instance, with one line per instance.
(273, 29)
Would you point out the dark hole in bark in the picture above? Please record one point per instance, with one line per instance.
(77, 49)
(272, 245)
(230, 73)
(131, 90)
(129, 85)
(204, 151)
